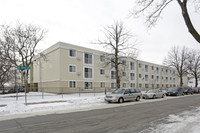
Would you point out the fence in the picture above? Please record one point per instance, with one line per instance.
(44, 91)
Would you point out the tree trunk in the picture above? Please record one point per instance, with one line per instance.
(196, 82)
(187, 20)
(181, 81)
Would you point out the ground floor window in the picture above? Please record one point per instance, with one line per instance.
(146, 85)
(158, 85)
(88, 85)
(124, 85)
(102, 84)
(132, 85)
(113, 85)
(140, 85)
(72, 84)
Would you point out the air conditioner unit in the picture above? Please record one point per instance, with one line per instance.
(78, 73)
(78, 58)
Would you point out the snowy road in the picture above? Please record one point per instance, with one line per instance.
(129, 117)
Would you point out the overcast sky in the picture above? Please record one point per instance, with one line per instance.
(79, 22)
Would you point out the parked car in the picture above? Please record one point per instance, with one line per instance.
(124, 94)
(175, 91)
(156, 93)
(196, 89)
(188, 90)
(14, 90)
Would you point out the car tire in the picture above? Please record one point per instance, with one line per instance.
(137, 98)
(121, 100)
(154, 96)
(163, 95)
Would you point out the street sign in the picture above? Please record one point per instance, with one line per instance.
(23, 67)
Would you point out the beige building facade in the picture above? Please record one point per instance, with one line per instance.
(70, 68)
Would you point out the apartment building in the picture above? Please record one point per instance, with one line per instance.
(73, 67)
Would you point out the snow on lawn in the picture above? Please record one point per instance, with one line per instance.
(50, 102)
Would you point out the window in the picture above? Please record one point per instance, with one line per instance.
(72, 53)
(152, 67)
(166, 79)
(157, 85)
(157, 70)
(146, 77)
(113, 75)
(102, 71)
(123, 74)
(124, 85)
(146, 85)
(72, 68)
(124, 62)
(140, 65)
(88, 85)
(166, 72)
(132, 85)
(132, 76)
(88, 58)
(102, 58)
(113, 85)
(157, 78)
(102, 84)
(88, 72)
(72, 84)
(140, 75)
(152, 76)
(146, 68)
(140, 85)
(132, 65)
(112, 62)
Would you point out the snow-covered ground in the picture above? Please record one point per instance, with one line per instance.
(10, 108)
(185, 122)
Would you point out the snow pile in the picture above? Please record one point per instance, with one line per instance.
(186, 122)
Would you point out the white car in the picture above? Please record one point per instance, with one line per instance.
(155, 93)
(124, 94)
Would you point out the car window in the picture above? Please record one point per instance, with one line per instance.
(127, 91)
(132, 91)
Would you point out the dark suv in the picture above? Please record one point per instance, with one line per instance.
(175, 91)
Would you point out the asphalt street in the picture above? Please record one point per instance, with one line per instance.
(131, 118)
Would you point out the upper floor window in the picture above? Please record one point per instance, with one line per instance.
(72, 68)
(113, 75)
(123, 74)
(88, 72)
(132, 76)
(124, 62)
(146, 68)
(88, 58)
(146, 77)
(140, 65)
(152, 67)
(132, 65)
(140, 75)
(102, 58)
(102, 71)
(72, 53)
(157, 70)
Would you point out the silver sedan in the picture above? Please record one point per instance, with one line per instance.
(155, 93)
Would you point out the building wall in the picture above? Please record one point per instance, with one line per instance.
(54, 71)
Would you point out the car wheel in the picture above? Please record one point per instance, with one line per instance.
(154, 97)
(163, 95)
(137, 98)
(121, 100)
(183, 94)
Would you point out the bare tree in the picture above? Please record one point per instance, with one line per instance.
(177, 58)
(117, 41)
(194, 65)
(152, 10)
(20, 42)
(6, 73)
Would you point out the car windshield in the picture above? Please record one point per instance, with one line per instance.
(118, 91)
(195, 88)
(172, 89)
(151, 91)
